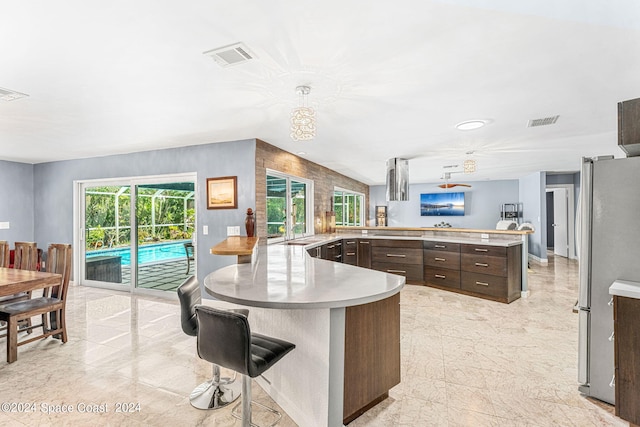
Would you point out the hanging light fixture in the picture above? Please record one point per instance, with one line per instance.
(469, 166)
(303, 118)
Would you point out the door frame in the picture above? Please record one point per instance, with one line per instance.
(571, 215)
(78, 230)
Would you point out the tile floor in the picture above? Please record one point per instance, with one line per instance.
(465, 362)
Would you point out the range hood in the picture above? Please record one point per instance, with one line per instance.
(397, 180)
(629, 127)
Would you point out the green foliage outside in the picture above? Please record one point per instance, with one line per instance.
(104, 229)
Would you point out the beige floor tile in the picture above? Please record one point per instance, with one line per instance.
(464, 362)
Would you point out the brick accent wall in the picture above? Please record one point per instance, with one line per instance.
(324, 182)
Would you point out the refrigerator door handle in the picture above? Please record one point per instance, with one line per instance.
(584, 232)
(583, 346)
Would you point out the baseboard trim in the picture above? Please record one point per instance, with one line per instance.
(537, 259)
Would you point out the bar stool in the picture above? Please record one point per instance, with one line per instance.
(217, 392)
(246, 353)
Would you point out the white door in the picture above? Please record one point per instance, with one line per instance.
(560, 222)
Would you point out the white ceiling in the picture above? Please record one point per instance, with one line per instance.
(388, 79)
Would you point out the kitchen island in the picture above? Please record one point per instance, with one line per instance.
(344, 320)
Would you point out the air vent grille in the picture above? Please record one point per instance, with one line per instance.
(232, 54)
(11, 95)
(542, 122)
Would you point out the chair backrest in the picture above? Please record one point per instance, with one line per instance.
(59, 261)
(26, 256)
(189, 296)
(224, 338)
(188, 249)
(4, 253)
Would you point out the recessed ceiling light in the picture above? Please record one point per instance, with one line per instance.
(471, 124)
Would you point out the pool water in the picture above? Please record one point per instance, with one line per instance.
(147, 254)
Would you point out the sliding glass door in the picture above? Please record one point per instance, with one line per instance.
(137, 233)
(289, 207)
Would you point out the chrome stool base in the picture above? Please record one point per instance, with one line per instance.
(214, 396)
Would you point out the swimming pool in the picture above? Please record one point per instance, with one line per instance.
(147, 254)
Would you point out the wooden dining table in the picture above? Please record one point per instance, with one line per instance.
(14, 281)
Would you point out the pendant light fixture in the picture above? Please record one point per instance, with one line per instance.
(303, 118)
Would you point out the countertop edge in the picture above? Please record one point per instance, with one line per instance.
(625, 288)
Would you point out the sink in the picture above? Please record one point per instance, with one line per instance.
(303, 241)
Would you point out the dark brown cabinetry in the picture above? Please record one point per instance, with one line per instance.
(364, 253)
(350, 251)
(334, 251)
(626, 318)
(492, 271)
(403, 257)
(442, 264)
(487, 271)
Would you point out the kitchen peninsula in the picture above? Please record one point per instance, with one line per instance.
(344, 321)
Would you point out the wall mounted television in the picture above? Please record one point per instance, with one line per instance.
(442, 204)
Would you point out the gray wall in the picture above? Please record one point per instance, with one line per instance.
(534, 202)
(16, 201)
(53, 183)
(482, 204)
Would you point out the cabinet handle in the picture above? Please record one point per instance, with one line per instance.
(440, 276)
(397, 255)
(350, 253)
(338, 244)
(610, 303)
(481, 250)
(331, 247)
(364, 243)
(612, 336)
(482, 283)
(338, 256)
(613, 381)
(481, 264)
(439, 246)
(440, 259)
(396, 271)
(350, 243)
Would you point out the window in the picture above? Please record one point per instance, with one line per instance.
(289, 207)
(349, 207)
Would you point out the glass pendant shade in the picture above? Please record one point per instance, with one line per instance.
(303, 124)
(469, 166)
(303, 118)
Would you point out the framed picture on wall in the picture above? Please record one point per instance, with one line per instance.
(222, 193)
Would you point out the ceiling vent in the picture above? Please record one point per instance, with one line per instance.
(11, 95)
(232, 54)
(542, 122)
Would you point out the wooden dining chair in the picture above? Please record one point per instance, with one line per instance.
(4, 253)
(5, 262)
(26, 256)
(52, 304)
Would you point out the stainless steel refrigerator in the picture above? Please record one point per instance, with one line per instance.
(609, 242)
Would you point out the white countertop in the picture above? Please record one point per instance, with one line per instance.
(321, 239)
(625, 288)
(286, 277)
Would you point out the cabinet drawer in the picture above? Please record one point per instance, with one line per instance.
(486, 284)
(397, 255)
(442, 277)
(411, 272)
(350, 257)
(349, 244)
(496, 266)
(393, 243)
(442, 246)
(484, 250)
(440, 259)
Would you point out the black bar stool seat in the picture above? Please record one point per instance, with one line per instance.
(236, 348)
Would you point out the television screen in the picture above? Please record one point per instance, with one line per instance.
(442, 204)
